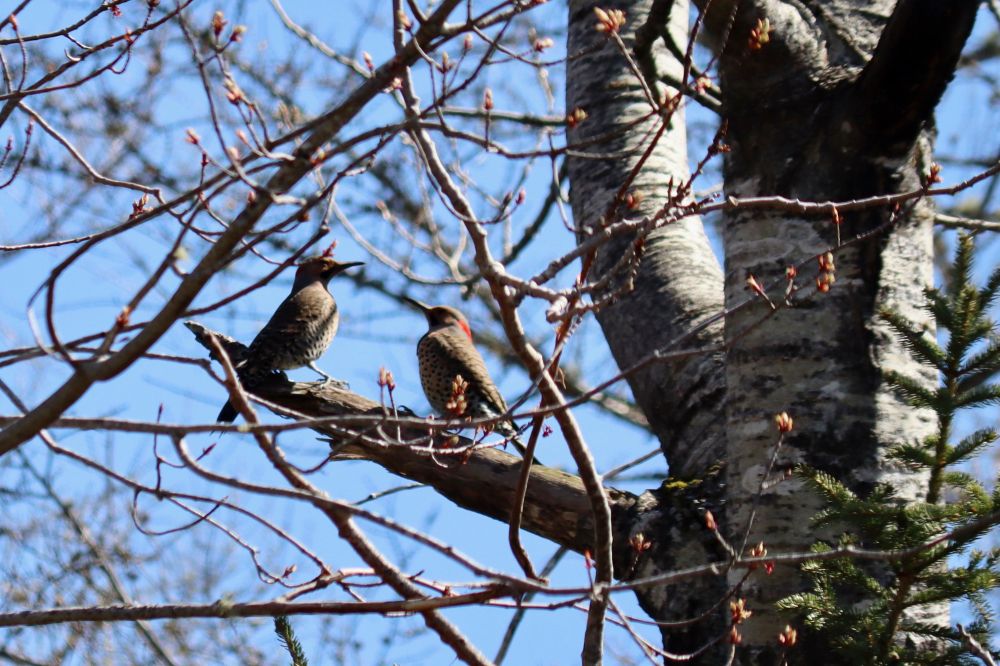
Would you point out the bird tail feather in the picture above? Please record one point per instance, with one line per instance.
(228, 413)
(509, 430)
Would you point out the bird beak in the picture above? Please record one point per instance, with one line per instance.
(423, 307)
(341, 267)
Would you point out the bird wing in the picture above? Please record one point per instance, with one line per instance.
(286, 320)
(465, 360)
(288, 323)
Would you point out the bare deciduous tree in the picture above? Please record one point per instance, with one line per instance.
(172, 160)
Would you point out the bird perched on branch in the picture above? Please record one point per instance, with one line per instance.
(453, 374)
(299, 331)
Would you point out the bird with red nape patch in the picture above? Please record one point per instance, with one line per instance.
(446, 352)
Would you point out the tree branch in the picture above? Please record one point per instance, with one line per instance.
(556, 506)
(913, 62)
(225, 610)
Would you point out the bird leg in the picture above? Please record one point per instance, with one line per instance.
(328, 380)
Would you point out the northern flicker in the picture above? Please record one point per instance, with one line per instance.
(298, 332)
(445, 352)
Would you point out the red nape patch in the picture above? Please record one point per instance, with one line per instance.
(465, 327)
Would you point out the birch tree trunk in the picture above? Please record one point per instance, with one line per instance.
(846, 96)
(678, 285)
(836, 106)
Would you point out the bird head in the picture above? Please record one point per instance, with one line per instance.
(321, 268)
(440, 316)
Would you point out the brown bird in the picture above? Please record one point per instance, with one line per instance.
(445, 352)
(298, 332)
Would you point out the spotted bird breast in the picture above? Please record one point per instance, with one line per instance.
(444, 354)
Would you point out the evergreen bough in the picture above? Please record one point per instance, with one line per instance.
(287, 638)
(865, 611)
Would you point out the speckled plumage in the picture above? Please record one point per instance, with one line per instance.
(299, 331)
(447, 351)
